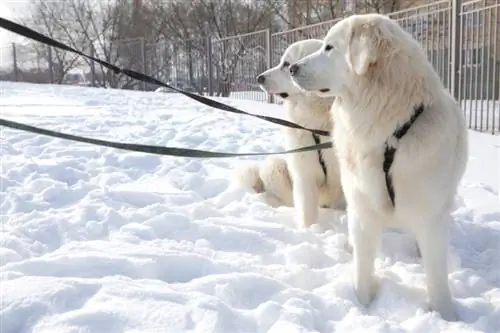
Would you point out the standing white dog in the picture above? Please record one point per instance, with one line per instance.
(310, 179)
(401, 140)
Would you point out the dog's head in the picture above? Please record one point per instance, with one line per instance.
(356, 47)
(277, 80)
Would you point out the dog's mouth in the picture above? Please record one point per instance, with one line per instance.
(283, 95)
(324, 90)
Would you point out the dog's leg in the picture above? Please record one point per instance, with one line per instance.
(306, 200)
(351, 224)
(433, 238)
(365, 235)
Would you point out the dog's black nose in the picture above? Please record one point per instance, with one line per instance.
(261, 79)
(294, 69)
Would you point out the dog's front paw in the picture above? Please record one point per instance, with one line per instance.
(366, 290)
(449, 315)
(417, 250)
(348, 246)
(446, 310)
(306, 219)
(306, 224)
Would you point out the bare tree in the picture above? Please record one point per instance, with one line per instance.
(189, 23)
(382, 6)
(297, 13)
(44, 16)
(116, 31)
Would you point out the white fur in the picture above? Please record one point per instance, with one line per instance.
(271, 178)
(379, 74)
(298, 179)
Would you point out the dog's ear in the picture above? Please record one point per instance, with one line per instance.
(364, 47)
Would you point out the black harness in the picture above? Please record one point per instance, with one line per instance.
(320, 155)
(390, 150)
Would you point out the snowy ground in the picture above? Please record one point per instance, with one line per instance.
(98, 240)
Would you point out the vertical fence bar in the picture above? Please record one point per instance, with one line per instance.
(456, 9)
(484, 66)
(210, 67)
(467, 44)
(487, 24)
(474, 66)
(465, 41)
(14, 62)
(461, 94)
(143, 56)
(269, 56)
(496, 80)
(92, 66)
(51, 64)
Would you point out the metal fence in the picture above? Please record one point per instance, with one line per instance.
(462, 41)
(236, 61)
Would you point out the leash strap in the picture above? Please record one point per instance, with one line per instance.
(31, 34)
(157, 150)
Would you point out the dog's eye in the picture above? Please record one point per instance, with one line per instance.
(286, 64)
(328, 47)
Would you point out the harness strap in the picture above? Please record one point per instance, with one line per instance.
(390, 151)
(320, 156)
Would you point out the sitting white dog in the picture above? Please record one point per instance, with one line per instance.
(310, 179)
(401, 141)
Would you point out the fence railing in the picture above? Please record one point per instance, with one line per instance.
(462, 41)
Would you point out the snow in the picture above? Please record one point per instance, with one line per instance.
(102, 240)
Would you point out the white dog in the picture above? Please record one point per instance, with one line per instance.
(307, 180)
(401, 141)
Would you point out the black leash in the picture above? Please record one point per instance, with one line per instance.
(158, 150)
(390, 151)
(31, 34)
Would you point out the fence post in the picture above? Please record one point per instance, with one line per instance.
(14, 62)
(456, 47)
(269, 46)
(143, 55)
(209, 66)
(92, 65)
(51, 64)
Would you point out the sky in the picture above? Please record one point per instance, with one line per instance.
(10, 9)
(5, 12)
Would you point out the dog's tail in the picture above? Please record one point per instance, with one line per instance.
(271, 176)
(248, 176)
